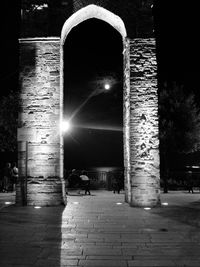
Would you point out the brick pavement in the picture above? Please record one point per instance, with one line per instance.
(96, 231)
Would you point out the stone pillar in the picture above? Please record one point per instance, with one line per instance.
(39, 118)
(144, 140)
(126, 120)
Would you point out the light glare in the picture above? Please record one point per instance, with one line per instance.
(65, 126)
(107, 86)
(7, 202)
(165, 204)
(147, 208)
(37, 207)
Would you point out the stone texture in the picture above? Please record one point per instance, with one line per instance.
(39, 120)
(126, 120)
(50, 236)
(41, 111)
(144, 142)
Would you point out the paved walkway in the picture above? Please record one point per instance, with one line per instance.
(102, 230)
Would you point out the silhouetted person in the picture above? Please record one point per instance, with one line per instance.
(14, 175)
(118, 184)
(85, 182)
(7, 177)
(189, 182)
(74, 180)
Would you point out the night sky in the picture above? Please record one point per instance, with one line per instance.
(93, 56)
(176, 30)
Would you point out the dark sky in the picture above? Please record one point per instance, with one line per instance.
(93, 57)
(176, 25)
(9, 30)
(176, 30)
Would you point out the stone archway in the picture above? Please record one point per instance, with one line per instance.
(41, 77)
(94, 11)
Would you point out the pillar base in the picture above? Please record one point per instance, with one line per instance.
(41, 192)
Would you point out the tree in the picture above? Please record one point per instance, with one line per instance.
(179, 123)
(9, 106)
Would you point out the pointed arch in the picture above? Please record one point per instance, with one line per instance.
(93, 11)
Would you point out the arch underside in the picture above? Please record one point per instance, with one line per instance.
(93, 11)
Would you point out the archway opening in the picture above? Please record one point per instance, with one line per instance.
(93, 101)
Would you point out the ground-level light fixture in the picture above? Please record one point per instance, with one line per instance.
(8, 202)
(165, 204)
(37, 207)
(147, 208)
(118, 203)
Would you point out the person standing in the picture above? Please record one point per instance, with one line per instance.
(7, 177)
(15, 175)
(117, 184)
(85, 181)
(74, 180)
(190, 182)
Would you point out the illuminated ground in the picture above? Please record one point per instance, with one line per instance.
(97, 230)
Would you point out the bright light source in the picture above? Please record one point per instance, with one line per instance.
(7, 202)
(147, 208)
(65, 126)
(37, 207)
(107, 86)
(76, 203)
(165, 204)
(119, 203)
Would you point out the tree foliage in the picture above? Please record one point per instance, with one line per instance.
(179, 120)
(9, 106)
(31, 6)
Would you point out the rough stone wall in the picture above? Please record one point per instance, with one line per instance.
(126, 120)
(39, 121)
(41, 111)
(144, 142)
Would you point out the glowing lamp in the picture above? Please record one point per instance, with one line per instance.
(107, 86)
(65, 126)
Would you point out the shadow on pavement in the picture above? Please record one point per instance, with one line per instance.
(187, 214)
(30, 237)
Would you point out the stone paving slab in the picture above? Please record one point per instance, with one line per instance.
(96, 231)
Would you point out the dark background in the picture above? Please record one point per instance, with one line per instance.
(93, 57)
(176, 32)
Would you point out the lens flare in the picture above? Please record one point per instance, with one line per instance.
(107, 86)
(65, 126)
(101, 127)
